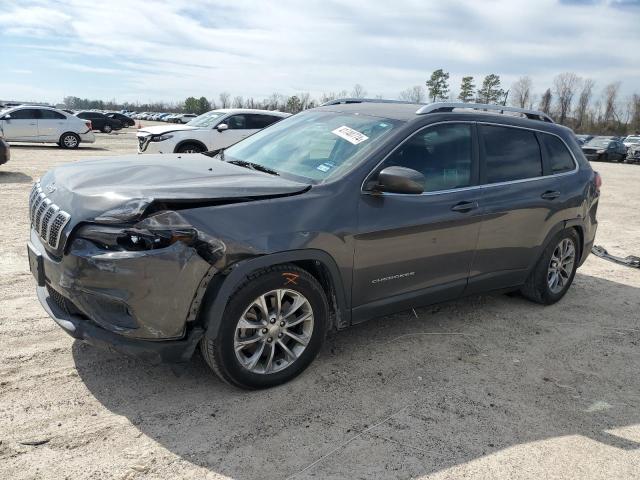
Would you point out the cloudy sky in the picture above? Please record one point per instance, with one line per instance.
(167, 50)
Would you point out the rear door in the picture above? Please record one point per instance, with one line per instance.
(23, 125)
(51, 125)
(522, 199)
(417, 249)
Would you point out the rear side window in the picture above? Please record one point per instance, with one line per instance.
(442, 153)
(51, 115)
(560, 160)
(510, 154)
(24, 114)
(256, 122)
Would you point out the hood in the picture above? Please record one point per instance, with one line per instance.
(128, 184)
(160, 129)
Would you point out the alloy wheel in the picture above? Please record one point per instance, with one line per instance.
(70, 141)
(561, 265)
(273, 331)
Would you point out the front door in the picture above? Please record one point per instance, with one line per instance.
(238, 129)
(23, 125)
(417, 249)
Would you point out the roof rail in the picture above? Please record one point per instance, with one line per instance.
(449, 106)
(339, 101)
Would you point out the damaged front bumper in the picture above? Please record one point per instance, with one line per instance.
(173, 351)
(141, 302)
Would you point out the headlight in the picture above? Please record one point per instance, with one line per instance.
(161, 138)
(601, 151)
(134, 239)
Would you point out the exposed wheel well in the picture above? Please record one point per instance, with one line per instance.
(580, 233)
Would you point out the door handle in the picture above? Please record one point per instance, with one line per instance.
(550, 195)
(463, 207)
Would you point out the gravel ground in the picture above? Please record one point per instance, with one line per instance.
(486, 387)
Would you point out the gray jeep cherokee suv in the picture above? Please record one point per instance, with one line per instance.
(335, 215)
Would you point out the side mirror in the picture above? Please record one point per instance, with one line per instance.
(400, 180)
(222, 127)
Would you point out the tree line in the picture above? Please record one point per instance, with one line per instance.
(571, 100)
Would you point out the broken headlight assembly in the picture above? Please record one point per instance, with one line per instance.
(133, 238)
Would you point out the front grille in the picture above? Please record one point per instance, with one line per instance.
(589, 151)
(46, 218)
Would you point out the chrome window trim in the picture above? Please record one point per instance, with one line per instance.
(473, 187)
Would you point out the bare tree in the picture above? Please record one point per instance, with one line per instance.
(610, 96)
(415, 94)
(521, 92)
(238, 101)
(305, 99)
(224, 98)
(565, 86)
(545, 102)
(582, 109)
(634, 123)
(358, 91)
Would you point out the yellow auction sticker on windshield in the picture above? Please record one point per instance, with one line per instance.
(350, 135)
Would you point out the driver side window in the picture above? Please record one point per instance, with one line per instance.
(237, 122)
(442, 153)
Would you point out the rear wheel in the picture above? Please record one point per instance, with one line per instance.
(107, 128)
(272, 329)
(190, 148)
(69, 140)
(554, 272)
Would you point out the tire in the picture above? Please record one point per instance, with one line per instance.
(190, 148)
(69, 140)
(248, 366)
(107, 128)
(540, 286)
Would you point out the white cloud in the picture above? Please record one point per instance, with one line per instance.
(171, 49)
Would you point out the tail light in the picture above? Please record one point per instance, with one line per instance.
(89, 125)
(597, 181)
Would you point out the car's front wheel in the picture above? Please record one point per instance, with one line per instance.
(107, 128)
(190, 148)
(555, 270)
(69, 140)
(272, 329)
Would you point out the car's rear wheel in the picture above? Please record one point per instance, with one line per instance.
(107, 128)
(190, 148)
(272, 329)
(69, 140)
(555, 270)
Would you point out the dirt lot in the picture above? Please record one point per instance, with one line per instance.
(486, 387)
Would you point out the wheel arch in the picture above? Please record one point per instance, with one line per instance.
(189, 140)
(317, 262)
(575, 223)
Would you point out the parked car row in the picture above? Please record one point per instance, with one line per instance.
(211, 131)
(608, 149)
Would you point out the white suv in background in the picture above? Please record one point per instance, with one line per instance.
(210, 131)
(29, 123)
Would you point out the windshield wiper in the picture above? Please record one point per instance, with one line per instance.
(254, 166)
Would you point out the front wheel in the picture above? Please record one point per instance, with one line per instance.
(190, 148)
(555, 270)
(272, 329)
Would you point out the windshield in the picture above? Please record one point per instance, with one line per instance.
(599, 142)
(314, 145)
(208, 119)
